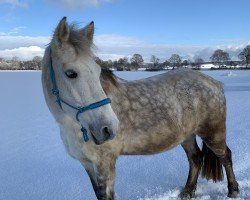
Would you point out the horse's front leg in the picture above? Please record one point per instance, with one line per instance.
(102, 176)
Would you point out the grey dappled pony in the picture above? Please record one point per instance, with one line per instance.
(145, 117)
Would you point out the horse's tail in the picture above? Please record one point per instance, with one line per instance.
(212, 167)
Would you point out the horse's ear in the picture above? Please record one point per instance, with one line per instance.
(88, 31)
(62, 31)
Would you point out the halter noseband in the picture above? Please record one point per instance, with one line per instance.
(80, 109)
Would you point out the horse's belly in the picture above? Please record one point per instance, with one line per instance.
(151, 143)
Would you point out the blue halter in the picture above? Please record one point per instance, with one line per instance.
(80, 109)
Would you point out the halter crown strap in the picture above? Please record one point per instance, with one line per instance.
(81, 109)
(54, 89)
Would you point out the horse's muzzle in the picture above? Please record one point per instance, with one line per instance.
(104, 134)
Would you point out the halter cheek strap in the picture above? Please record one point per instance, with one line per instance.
(80, 109)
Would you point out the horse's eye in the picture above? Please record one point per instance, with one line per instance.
(71, 73)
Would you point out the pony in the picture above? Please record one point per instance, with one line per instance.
(145, 117)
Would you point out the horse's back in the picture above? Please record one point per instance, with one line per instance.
(186, 91)
(187, 76)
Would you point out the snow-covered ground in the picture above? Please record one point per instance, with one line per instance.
(34, 164)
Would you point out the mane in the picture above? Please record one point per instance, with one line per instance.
(108, 75)
(108, 80)
(77, 40)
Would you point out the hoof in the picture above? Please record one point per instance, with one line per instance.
(185, 195)
(233, 194)
(233, 190)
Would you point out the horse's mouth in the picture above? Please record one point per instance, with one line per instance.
(97, 142)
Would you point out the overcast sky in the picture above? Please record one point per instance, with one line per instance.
(124, 27)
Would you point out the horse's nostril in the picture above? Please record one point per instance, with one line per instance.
(105, 132)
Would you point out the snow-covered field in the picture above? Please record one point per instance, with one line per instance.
(34, 164)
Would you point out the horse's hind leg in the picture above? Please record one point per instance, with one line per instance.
(226, 160)
(195, 162)
(215, 144)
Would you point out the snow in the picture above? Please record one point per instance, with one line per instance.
(228, 74)
(34, 164)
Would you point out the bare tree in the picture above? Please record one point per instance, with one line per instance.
(109, 63)
(166, 64)
(198, 62)
(14, 63)
(37, 62)
(185, 63)
(136, 61)
(155, 61)
(219, 57)
(175, 60)
(37, 59)
(244, 56)
(15, 59)
(123, 64)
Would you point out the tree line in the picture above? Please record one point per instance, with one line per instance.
(219, 58)
(15, 64)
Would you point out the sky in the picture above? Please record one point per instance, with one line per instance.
(191, 28)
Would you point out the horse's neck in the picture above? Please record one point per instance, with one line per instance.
(117, 92)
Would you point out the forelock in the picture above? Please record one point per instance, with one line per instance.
(78, 40)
